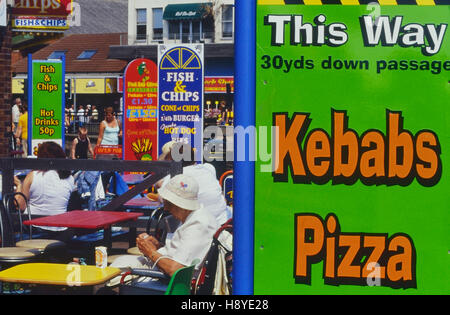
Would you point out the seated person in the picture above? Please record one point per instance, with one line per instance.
(48, 192)
(210, 193)
(191, 240)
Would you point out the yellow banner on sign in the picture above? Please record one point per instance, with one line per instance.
(90, 86)
(18, 86)
(111, 85)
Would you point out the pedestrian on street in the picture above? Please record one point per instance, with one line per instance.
(94, 113)
(80, 115)
(81, 145)
(110, 129)
(22, 130)
(16, 112)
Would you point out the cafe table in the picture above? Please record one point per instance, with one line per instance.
(71, 275)
(142, 203)
(92, 220)
(133, 179)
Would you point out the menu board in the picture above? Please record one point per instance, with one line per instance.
(46, 103)
(180, 109)
(355, 198)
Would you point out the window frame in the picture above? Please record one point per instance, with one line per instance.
(224, 21)
(57, 51)
(160, 32)
(87, 51)
(141, 24)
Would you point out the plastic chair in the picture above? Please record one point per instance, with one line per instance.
(178, 284)
(34, 242)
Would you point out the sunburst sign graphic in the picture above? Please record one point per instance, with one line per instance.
(180, 58)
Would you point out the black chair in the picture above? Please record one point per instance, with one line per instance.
(47, 247)
(159, 224)
(215, 277)
(10, 255)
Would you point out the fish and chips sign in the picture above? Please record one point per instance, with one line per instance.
(140, 141)
(181, 79)
(46, 102)
(41, 15)
(357, 199)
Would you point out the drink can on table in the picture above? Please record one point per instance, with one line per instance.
(101, 257)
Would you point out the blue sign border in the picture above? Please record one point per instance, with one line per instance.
(30, 99)
(244, 171)
(196, 86)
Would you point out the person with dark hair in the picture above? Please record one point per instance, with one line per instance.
(48, 192)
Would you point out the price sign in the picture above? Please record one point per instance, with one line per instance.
(46, 102)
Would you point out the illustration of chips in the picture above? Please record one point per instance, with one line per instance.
(142, 148)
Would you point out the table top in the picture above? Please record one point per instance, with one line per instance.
(85, 219)
(58, 274)
(142, 203)
(133, 179)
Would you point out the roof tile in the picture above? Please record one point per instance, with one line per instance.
(74, 45)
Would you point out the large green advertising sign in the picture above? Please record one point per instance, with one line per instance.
(46, 104)
(356, 197)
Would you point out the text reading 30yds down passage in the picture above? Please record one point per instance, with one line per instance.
(287, 65)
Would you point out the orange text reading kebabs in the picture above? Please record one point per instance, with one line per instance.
(393, 158)
(352, 258)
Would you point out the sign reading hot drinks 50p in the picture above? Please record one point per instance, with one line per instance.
(46, 102)
(357, 193)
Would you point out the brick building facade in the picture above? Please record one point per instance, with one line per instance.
(5, 89)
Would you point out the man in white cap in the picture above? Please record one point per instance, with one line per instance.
(210, 193)
(190, 242)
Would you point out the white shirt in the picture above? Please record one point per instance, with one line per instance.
(80, 115)
(49, 195)
(209, 193)
(192, 239)
(15, 113)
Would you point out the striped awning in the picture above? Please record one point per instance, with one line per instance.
(187, 11)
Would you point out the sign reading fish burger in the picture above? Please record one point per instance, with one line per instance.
(140, 110)
(357, 198)
(180, 106)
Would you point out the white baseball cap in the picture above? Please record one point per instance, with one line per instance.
(182, 191)
(167, 147)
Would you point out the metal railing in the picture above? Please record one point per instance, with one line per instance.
(159, 170)
(92, 125)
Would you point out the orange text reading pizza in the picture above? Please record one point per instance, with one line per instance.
(352, 258)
